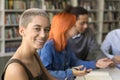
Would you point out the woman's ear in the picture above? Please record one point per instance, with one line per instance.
(21, 31)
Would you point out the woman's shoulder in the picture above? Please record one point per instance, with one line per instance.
(14, 71)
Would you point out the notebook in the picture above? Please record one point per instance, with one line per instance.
(96, 75)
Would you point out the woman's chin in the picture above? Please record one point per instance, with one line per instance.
(39, 46)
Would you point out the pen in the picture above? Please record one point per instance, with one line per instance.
(76, 68)
(81, 69)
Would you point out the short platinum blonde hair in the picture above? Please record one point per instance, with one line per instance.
(27, 16)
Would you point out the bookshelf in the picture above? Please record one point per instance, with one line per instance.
(103, 17)
(10, 11)
(1, 26)
(111, 16)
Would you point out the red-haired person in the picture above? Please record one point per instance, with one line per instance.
(56, 54)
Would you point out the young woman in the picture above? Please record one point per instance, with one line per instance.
(25, 63)
(56, 54)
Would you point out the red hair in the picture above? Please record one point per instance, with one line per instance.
(61, 23)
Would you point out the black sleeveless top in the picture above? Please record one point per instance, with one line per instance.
(30, 76)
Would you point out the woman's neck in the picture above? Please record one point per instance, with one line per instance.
(25, 53)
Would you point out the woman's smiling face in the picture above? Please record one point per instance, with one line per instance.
(36, 32)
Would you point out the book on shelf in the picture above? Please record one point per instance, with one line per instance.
(8, 33)
(106, 27)
(11, 46)
(48, 5)
(34, 4)
(73, 2)
(94, 4)
(10, 4)
(12, 33)
(56, 4)
(87, 4)
(0, 34)
(22, 4)
(17, 17)
(15, 4)
(39, 3)
(109, 16)
(19, 4)
(114, 26)
(0, 46)
(112, 5)
(12, 19)
(7, 19)
(6, 4)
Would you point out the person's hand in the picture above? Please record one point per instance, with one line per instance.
(80, 71)
(116, 59)
(104, 63)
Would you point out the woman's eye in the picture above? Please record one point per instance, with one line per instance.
(37, 29)
(47, 29)
(82, 23)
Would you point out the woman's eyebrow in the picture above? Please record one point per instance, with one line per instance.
(37, 25)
